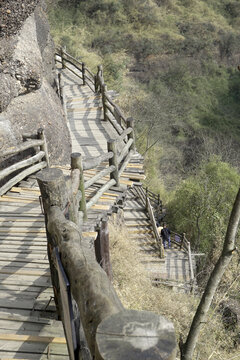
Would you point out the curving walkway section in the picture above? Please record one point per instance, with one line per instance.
(90, 133)
(29, 328)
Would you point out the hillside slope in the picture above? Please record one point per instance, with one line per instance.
(174, 64)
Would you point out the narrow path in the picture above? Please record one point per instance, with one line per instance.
(173, 270)
(89, 134)
(28, 325)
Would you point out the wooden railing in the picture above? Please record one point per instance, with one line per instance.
(28, 164)
(77, 67)
(154, 199)
(117, 162)
(181, 241)
(111, 111)
(109, 330)
(143, 196)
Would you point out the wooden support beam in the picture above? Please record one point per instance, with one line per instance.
(102, 248)
(54, 192)
(130, 125)
(76, 163)
(83, 74)
(43, 147)
(113, 161)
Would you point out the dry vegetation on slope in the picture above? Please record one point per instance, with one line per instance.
(136, 292)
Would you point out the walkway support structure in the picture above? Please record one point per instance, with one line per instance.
(112, 332)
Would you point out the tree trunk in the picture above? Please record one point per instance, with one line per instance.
(215, 278)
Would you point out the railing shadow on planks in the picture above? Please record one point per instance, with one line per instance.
(107, 330)
(111, 331)
(111, 111)
(123, 126)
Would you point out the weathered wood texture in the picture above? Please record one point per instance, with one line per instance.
(113, 161)
(102, 248)
(29, 329)
(76, 163)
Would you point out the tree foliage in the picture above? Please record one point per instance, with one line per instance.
(202, 204)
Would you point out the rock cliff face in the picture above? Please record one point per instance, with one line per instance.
(27, 77)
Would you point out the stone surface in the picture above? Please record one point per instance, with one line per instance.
(27, 78)
(37, 109)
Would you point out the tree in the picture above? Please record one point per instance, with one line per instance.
(201, 204)
(187, 349)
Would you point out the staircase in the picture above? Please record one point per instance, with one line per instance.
(173, 270)
(89, 134)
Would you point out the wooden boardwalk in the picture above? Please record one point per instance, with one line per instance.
(173, 270)
(90, 133)
(28, 325)
(29, 328)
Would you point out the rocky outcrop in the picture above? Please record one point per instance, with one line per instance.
(27, 77)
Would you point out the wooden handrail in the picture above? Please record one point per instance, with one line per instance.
(99, 176)
(111, 111)
(24, 146)
(98, 305)
(93, 162)
(31, 163)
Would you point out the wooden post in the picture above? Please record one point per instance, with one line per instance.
(130, 123)
(63, 61)
(102, 248)
(95, 83)
(54, 192)
(111, 145)
(104, 90)
(41, 136)
(132, 334)
(76, 163)
(147, 198)
(83, 74)
(98, 77)
(182, 240)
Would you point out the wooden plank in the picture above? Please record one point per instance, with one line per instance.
(26, 242)
(84, 109)
(22, 265)
(24, 189)
(11, 216)
(9, 355)
(89, 234)
(29, 346)
(26, 328)
(20, 198)
(38, 259)
(23, 254)
(100, 207)
(24, 288)
(25, 272)
(22, 250)
(27, 303)
(34, 320)
(20, 230)
(23, 280)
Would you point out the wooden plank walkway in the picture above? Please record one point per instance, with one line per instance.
(29, 328)
(174, 269)
(90, 133)
(28, 325)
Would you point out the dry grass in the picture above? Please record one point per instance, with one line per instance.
(136, 292)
